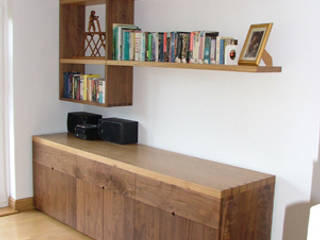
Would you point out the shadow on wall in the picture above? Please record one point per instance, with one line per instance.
(297, 215)
(296, 221)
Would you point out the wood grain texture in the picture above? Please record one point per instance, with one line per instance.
(188, 204)
(7, 211)
(120, 85)
(52, 158)
(34, 225)
(153, 223)
(120, 79)
(90, 213)
(85, 2)
(21, 205)
(120, 201)
(118, 216)
(76, 60)
(248, 215)
(216, 67)
(210, 178)
(93, 172)
(72, 25)
(146, 222)
(55, 194)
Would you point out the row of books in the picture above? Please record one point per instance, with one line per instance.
(132, 44)
(87, 87)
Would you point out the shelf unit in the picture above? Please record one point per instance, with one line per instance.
(118, 74)
(118, 87)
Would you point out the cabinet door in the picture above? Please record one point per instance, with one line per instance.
(119, 206)
(55, 193)
(152, 223)
(90, 209)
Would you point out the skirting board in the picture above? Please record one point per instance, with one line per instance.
(21, 205)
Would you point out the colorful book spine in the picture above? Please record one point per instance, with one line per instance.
(213, 51)
(126, 45)
(173, 47)
(143, 47)
(165, 47)
(185, 47)
(161, 47)
(149, 47)
(138, 39)
(221, 61)
(207, 50)
(66, 84)
(132, 45)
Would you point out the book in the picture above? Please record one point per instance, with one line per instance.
(155, 47)
(185, 47)
(166, 46)
(150, 47)
(137, 45)
(117, 38)
(207, 50)
(126, 45)
(161, 47)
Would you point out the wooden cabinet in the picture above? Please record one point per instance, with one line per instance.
(134, 192)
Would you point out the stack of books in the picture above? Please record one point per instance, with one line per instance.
(86, 87)
(199, 47)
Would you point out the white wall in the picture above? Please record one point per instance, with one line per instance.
(37, 109)
(267, 122)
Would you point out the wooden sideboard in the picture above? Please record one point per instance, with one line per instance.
(134, 192)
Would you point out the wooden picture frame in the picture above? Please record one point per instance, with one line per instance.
(253, 48)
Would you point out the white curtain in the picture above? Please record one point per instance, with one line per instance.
(3, 76)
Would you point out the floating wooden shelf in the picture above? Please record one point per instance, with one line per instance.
(217, 67)
(85, 2)
(83, 60)
(83, 102)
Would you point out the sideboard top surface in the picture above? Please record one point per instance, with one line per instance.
(208, 177)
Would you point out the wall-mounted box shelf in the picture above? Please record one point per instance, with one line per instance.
(118, 74)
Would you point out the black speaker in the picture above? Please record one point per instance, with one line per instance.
(87, 131)
(118, 130)
(81, 118)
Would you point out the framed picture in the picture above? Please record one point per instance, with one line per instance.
(255, 43)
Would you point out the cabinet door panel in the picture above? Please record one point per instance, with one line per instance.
(90, 209)
(188, 204)
(152, 223)
(55, 193)
(146, 222)
(173, 227)
(118, 216)
(54, 158)
(119, 205)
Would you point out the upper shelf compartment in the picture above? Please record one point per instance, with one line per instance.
(84, 2)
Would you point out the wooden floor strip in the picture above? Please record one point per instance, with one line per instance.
(36, 226)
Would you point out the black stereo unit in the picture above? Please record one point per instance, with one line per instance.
(87, 132)
(118, 130)
(81, 118)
